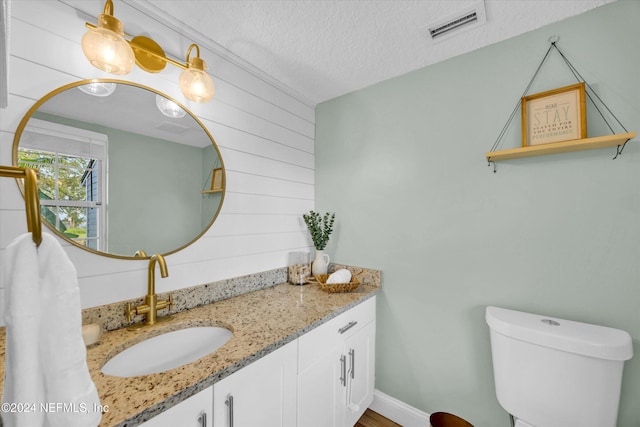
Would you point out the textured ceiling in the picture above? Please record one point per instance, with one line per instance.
(326, 48)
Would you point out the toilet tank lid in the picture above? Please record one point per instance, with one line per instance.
(566, 335)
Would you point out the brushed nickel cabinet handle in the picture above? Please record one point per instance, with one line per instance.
(347, 326)
(352, 356)
(229, 403)
(202, 419)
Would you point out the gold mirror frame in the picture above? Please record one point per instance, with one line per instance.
(137, 256)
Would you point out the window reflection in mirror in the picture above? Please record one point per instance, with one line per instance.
(71, 178)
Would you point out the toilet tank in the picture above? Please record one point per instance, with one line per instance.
(551, 372)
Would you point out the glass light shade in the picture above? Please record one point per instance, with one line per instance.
(106, 48)
(98, 88)
(169, 108)
(196, 85)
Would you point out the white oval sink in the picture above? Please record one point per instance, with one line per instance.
(167, 351)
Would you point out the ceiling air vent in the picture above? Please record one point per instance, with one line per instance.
(466, 19)
(453, 25)
(172, 128)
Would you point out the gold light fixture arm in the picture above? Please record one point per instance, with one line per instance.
(109, 20)
(163, 57)
(108, 7)
(190, 49)
(196, 62)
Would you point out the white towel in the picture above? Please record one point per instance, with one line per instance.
(46, 375)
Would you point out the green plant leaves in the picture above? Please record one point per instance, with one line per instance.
(320, 227)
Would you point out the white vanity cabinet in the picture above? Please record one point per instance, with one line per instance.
(325, 378)
(195, 411)
(336, 369)
(260, 394)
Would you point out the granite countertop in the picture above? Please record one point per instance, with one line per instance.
(261, 321)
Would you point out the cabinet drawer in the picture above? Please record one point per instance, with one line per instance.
(316, 343)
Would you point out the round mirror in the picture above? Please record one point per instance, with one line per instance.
(122, 168)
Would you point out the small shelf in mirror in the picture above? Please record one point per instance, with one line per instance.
(217, 181)
(561, 147)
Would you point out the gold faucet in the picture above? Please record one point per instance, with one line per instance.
(151, 304)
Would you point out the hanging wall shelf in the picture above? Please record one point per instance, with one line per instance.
(217, 181)
(617, 140)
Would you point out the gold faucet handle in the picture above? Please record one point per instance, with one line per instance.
(130, 312)
(165, 304)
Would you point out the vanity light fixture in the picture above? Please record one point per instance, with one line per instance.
(106, 48)
(195, 83)
(104, 45)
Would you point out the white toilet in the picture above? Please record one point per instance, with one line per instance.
(556, 373)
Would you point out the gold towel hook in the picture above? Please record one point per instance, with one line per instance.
(31, 199)
(32, 205)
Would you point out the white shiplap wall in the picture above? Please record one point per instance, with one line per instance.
(265, 134)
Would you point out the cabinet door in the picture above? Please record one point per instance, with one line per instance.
(321, 393)
(260, 394)
(188, 413)
(360, 351)
(327, 395)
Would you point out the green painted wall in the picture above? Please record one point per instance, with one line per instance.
(402, 165)
(154, 185)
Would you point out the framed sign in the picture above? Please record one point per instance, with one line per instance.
(554, 116)
(216, 180)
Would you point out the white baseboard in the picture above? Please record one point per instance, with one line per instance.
(397, 411)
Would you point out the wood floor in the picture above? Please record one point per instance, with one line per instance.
(373, 419)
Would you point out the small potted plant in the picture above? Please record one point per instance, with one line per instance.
(320, 227)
